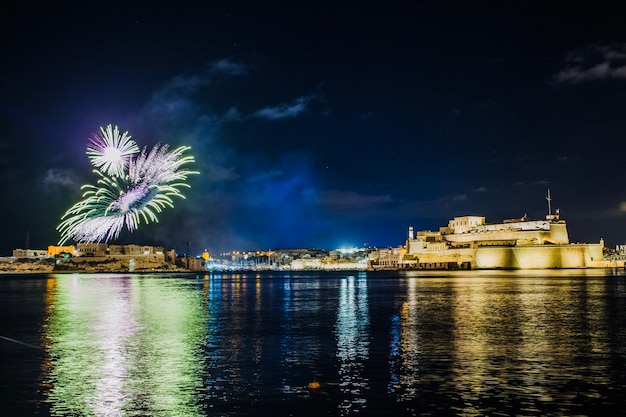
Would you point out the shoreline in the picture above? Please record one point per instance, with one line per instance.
(249, 271)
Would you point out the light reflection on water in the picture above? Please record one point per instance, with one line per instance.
(404, 352)
(121, 346)
(463, 343)
(353, 334)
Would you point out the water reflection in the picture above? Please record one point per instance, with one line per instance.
(301, 344)
(262, 340)
(521, 336)
(227, 363)
(352, 333)
(286, 344)
(532, 343)
(118, 347)
(214, 352)
(404, 356)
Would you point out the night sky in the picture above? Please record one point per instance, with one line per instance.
(320, 124)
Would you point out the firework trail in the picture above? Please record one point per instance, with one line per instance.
(131, 188)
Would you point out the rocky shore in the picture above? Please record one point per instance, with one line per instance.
(86, 264)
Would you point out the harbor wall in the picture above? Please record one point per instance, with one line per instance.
(538, 256)
(516, 257)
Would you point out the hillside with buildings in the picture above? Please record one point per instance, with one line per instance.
(101, 257)
(91, 257)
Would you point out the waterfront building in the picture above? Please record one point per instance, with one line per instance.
(197, 264)
(93, 249)
(386, 258)
(59, 250)
(306, 263)
(116, 250)
(132, 249)
(468, 242)
(170, 256)
(30, 253)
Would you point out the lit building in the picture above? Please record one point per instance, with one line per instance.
(387, 258)
(58, 250)
(197, 264)
(470, 243)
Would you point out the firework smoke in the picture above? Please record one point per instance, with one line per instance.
(131, 188)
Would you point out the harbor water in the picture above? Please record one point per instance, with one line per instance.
(415, 343)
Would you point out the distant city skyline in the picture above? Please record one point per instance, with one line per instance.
(319, 124)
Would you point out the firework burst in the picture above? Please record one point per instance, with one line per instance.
(111, 152)
(129, 189)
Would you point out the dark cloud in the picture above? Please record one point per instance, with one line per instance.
(287, 110)
(596, 62)
(227, 67)
(345, 199)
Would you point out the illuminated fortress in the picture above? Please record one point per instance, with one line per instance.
(468, 242)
